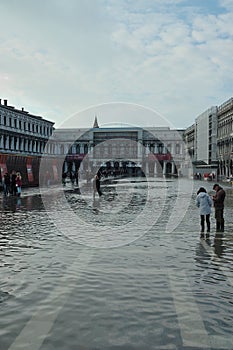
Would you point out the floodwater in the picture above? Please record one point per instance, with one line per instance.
(122, 272)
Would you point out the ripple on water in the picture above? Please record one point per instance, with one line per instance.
(124, 298)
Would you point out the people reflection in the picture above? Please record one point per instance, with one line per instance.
(11, 203)
(18, 203)
(96, 206)
(218, 244)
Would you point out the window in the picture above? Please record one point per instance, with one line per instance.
(177, 148)
(160, 148)
(169, 147)
(85, 149)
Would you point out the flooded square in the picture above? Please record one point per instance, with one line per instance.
(129, 272)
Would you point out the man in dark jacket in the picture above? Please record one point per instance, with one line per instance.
(219, 206)
(96, 185)
(6, 184)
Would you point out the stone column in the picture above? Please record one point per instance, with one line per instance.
(7, 142)
(22, 144)
(12, 143)
(65, 167)
(17, 144)
(156, 168)
(81, 148)
(173, 167)
(164, 167)
(139, 150)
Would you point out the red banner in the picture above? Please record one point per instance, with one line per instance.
(75, 156)
(158, 156)
(29, 170)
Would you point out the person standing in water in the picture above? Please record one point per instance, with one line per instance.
(204, 203)
(219, 207)
(96, 185)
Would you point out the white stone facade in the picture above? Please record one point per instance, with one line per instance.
(21, 132)
(159, 151)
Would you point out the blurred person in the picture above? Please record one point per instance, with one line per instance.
(47, 178)
(18, 182)
(6, 184)
(96, 185)
(13, 183)
(64, 176)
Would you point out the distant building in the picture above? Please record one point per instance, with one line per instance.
(153, 151)
(225, 138)
(23, 137)
(209, 141)
(201, 143)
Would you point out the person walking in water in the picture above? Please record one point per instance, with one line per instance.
(219, 207)
(6, 184)
(96, 185)
(204, 203)
(18, 182)
(13, 182)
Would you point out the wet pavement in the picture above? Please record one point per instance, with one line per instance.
(126, 271)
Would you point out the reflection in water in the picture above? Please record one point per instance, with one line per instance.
(27, 203)
(218, 244)
(18, 204)
(96, 206)
(123, 298)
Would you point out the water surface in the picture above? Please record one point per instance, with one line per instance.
(129, 271)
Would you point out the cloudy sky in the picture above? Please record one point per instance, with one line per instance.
(59, 57)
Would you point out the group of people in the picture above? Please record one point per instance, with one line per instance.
(74, 177)
(204, 202)
(12, 184)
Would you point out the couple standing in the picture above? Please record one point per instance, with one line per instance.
(204, 202)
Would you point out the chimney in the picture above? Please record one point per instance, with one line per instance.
(22, 109)
(5, 102)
